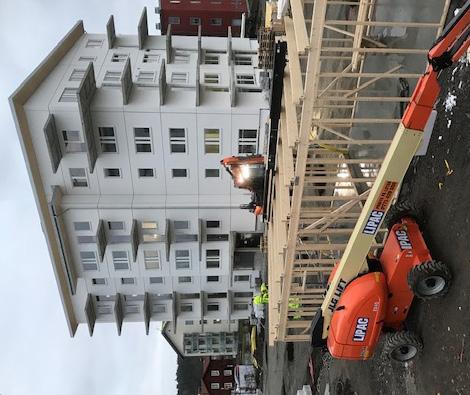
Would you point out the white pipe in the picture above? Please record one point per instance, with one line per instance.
(242, 27)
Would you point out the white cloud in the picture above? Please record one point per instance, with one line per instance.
(37, 354)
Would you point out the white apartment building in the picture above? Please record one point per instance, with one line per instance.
(122, 137)
(199, 338)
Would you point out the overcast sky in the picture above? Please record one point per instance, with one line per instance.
(37, 356)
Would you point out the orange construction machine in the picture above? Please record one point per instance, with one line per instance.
(248, 172)
(381, 298)
(367, 296)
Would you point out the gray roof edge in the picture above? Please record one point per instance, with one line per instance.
(170, 342)
(17, 100)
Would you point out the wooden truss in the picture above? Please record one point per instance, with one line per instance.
(345, 87)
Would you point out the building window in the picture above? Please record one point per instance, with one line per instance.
(88, 259)
(177, 140)
(134, 297)
(108, 141)
(212, 259)
(227, 372)
(176, 173)
(81, 226)
(211, 88)
(182, 259)
(186, 307)
(87, 58)
(211, 78)
(240, 306)
(215, 373)
(215, 386)
(86, 239)
(212, 307)
(212, 173)
(119, 57)
(212, 279)
(149, 231)
(243, 60)
(72, 141)
(94, 43)
(212, 141)
(228, 386)
(156, 280)
(116, 225)
(185, 238)
(103, 310)
(245, 79)
(212, 224)
(212, 264)
(215, 21)
(181, 225)
(174, 20)
(216, 51)
(217, 322)
(127, 280)
(78, 177)
(189, 322)
(242, 278)
(211, 59)
(158, 308)
(151, 259)
(217, 237)
(150, 58)
(181, 57)
(112, 172)
(179, 78)
(120, 260)
(146, 78)
(143, 141)
(236, 22)
(146, 172)
(243, 295)
(77, 75)
(247, 141)
(69, 95)
(195, 21)
(185, 279)
(98, 281)
(131, 309)
(112, 78)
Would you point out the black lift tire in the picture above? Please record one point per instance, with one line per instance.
(402, 209)
(430, 280)
(402, 346)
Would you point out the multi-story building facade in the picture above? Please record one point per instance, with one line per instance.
(122, 137)
(203, 337)
(217, 376)
(213, 16)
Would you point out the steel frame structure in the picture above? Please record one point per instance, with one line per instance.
(326, 164)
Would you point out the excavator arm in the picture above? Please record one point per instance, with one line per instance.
(448, 48)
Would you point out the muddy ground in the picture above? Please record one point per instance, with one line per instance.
(439, 183)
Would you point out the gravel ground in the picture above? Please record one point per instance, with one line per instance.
(438, 183)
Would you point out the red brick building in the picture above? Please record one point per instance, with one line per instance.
(214, 16)
(217, 376)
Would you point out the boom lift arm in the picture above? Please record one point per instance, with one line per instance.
(448, 48)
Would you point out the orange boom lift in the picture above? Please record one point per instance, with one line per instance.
(367, 296)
